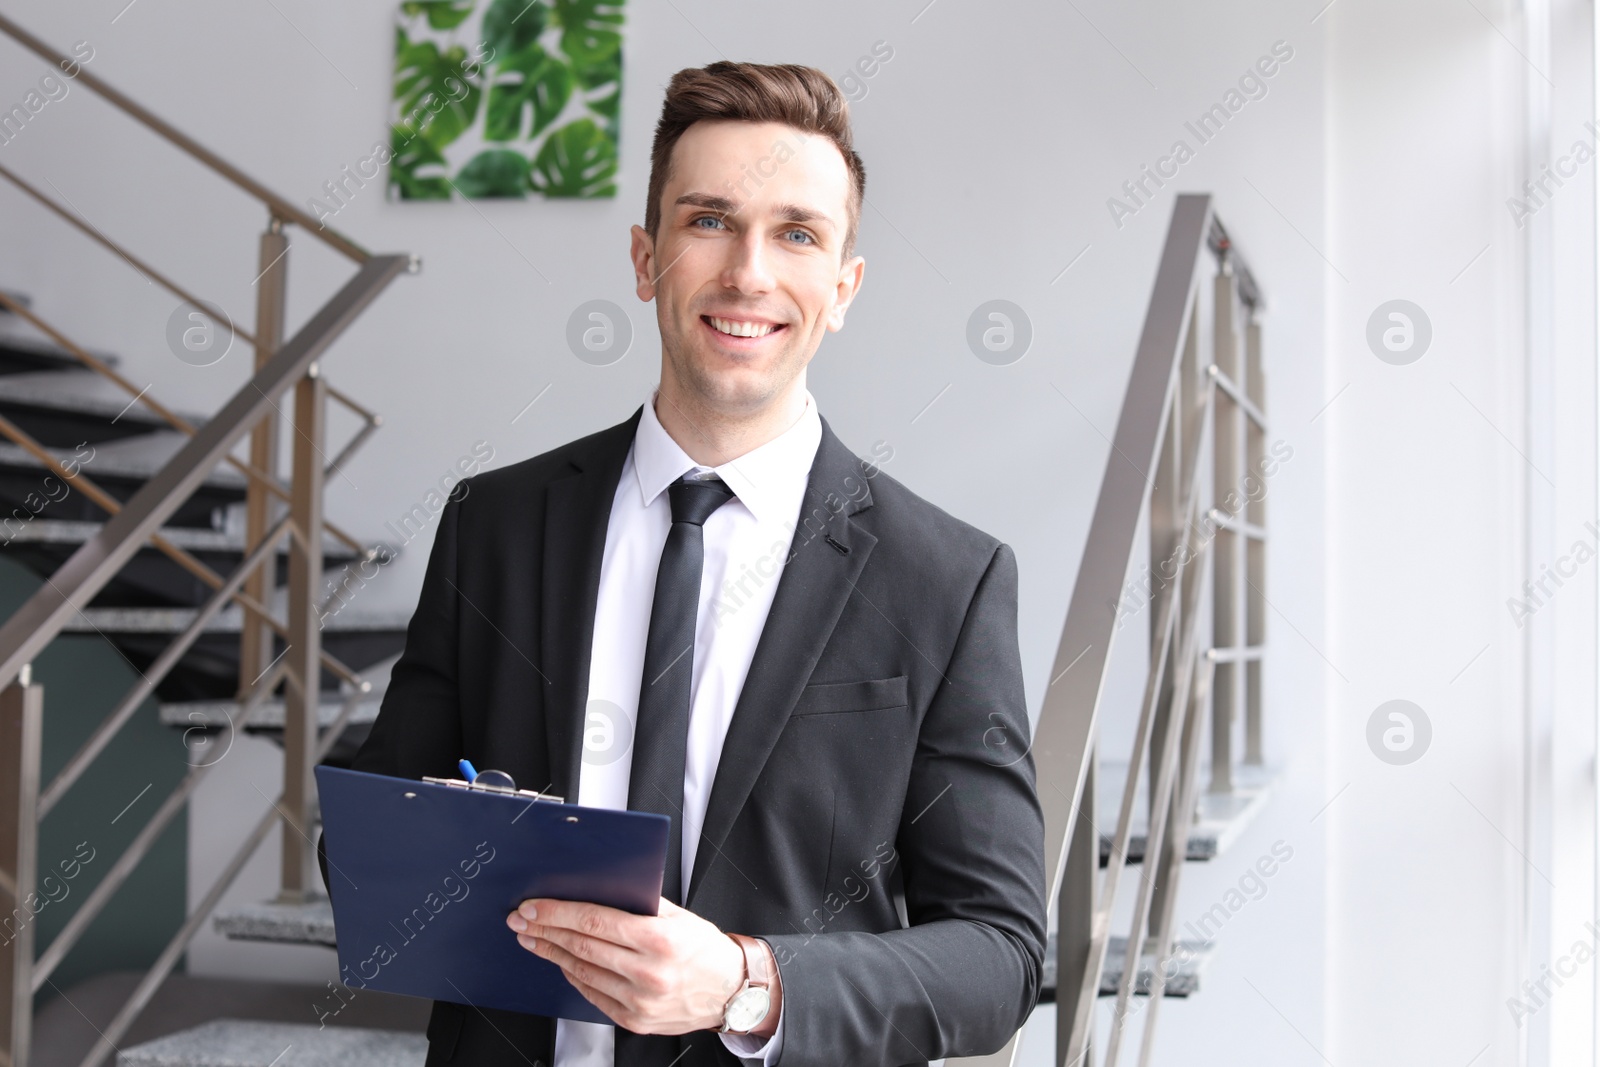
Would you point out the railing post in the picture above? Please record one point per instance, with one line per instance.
(21, 715)
(1075, 909)
(255, 638)
(1228, 556)
(1254, 596)
(304, 655)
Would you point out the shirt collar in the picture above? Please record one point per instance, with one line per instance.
(766, 479)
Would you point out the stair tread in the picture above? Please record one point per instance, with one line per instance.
(247, 1043)
(18, 335)
(137, 457)
(1220, 817)
(267, 715)
(229, 620)
(194, 539)
(310, 923)
(1182, 980)
(83, 392)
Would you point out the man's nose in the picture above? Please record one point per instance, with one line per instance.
(749, 267)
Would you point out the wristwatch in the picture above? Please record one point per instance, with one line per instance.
(747, 1009)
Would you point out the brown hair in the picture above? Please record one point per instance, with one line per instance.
(802, 97)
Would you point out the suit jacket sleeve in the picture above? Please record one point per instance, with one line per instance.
(418, 728)
(966, 973)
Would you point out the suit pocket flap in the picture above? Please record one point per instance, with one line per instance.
(870, 695)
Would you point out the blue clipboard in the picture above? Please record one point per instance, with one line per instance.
(422, 875)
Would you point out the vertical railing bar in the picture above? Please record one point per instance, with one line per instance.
(1089, 989)
(1255, 551)
(255, 643)
(1155, 839)
(302, 696)
(1194, 728)
(1075, 925)
(21, 741)
(1227, 464)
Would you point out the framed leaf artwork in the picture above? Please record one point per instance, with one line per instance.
(505, 98)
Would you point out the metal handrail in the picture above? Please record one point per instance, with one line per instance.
(1163, 392)
(279, 207)
(1165, 633)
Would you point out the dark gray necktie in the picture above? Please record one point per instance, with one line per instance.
(661, 736)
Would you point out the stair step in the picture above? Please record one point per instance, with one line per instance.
(267, 715)
(24, 349)
(138, 458)
(110, 621)
(310, 923)
(61, 407)
(1219, 817)
(1183, 978)
(243, 1043)
(189, 538)
(121, 468)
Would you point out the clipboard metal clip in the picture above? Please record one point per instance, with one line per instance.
(495, 782)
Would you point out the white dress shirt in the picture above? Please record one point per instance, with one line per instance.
(746, 542)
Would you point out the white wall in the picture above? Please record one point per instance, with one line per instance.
(1437, 870)
(993, 140)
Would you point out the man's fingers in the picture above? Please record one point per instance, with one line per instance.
(612, 957)
(610, 1005)
(595, 920)
(595, 976)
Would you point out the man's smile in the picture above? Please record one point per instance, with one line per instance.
(743, 333)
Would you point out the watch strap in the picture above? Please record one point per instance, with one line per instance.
(760, 972)
(755, 961)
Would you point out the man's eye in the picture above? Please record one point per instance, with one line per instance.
(706, 218)
(805, 238)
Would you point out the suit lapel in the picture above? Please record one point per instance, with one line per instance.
(577, 513)
(826, 556)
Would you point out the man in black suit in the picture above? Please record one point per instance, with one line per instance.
(856, 872)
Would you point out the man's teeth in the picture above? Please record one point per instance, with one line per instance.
(742, 329)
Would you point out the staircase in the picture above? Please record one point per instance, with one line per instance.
(176, 538)
(74, 413)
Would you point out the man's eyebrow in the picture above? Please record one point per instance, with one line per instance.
(722, 205)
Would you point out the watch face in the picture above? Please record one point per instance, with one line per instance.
(748, 1009)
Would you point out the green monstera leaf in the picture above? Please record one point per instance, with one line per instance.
(513, 26)
(533, 81)
(604, 75)
(494, 172)
(411, 154)
(590, 29)
(442, 14)
(436, 98)
(576, 160)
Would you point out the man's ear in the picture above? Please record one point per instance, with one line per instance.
(643, 254)
(850, 274)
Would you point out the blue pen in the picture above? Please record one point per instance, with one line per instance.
(468, 771)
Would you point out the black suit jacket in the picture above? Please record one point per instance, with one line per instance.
(879, 747)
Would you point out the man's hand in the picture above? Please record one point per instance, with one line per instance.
(670, 973)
